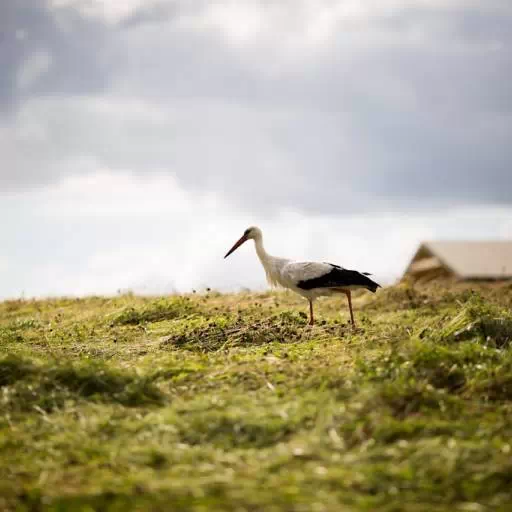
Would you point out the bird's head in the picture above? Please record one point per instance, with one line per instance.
(252, 233)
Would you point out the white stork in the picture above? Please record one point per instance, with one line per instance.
(307, 278)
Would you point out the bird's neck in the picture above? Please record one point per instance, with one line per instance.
(263, 255)
(271, 264)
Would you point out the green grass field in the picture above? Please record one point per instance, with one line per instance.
(232, 403)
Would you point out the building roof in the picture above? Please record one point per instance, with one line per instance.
(467, 260)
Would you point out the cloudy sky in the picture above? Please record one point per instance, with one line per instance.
(139, 138)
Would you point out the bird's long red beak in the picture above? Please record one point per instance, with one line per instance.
(237, 245)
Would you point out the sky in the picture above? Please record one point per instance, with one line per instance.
(140, 138)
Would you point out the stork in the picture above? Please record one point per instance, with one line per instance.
(307, 278)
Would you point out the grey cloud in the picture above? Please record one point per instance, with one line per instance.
(405, 109)
(75, 44)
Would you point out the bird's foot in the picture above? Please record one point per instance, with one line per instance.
(356, 328)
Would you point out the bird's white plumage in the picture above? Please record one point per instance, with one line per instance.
(288, 274)
(297, 271)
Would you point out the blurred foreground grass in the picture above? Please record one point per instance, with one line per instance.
(231, 402)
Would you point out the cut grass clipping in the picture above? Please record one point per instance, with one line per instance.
(231, 402)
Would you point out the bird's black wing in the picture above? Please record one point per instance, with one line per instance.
(339, 277)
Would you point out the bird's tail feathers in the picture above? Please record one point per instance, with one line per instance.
(372, 285)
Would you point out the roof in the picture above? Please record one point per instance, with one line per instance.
(468, 260)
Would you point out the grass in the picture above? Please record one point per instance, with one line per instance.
(233, 403)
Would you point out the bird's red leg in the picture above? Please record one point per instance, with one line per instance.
(311, 318)
(349, 297)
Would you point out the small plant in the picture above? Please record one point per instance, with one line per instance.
(156, 311)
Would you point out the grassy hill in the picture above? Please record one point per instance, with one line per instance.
(231, 402)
